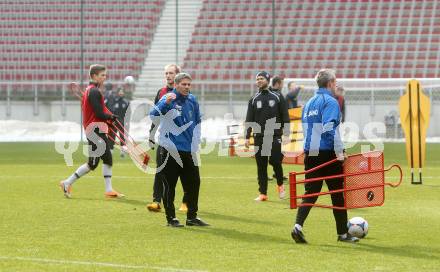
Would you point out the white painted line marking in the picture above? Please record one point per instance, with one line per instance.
(52, 261)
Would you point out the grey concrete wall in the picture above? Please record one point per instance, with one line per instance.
(41, 112)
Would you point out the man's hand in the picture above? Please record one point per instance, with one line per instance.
(246, 143)
(170, 97)
(342, 156)
(151, 143)
(114, 117)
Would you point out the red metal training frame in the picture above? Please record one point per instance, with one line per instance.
(139, 155)
(353, 195)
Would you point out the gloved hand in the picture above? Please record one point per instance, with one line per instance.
(246, 143)
(342, 156)
(151, 143)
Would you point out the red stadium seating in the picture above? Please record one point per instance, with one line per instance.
(358, 38)
(41, 41)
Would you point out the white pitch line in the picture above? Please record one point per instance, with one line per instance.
(147, 177)
(52, 261)
(114, 177)
(131, 177)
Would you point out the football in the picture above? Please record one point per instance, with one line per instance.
(129, 80)
(358, 227)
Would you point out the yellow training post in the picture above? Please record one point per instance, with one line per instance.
(414, 116)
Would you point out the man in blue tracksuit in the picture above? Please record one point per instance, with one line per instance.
(322, 143)
(179, 116)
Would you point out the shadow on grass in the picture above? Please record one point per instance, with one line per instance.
(234, 218)
(409, 251)
(127, 201)
(242, 236)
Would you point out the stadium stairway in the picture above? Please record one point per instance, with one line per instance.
(163, 47)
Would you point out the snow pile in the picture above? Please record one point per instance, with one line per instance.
(213, 130)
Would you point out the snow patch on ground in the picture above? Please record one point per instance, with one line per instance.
(213, 130)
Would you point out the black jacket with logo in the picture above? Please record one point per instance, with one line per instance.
(263, 106)
(120, 106)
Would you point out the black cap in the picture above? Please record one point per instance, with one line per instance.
(264, 74)
(108, 86)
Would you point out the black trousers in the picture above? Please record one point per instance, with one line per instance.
(112, 133)
(158, 184)
(315, 187)
(95, 155)
(190, 178)
(272, 156)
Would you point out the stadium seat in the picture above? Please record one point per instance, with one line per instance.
(44, 37)
(369, 31)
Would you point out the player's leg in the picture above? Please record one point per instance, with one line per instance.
(169, 176)
(122, 135)
(338, 201)
(337, 198)
(184, 206)
(66, 185)
(310, 188)
(261, 170)
(107, 164)
(112, 135)
(157, 185)
(275, 160)
(190, 179)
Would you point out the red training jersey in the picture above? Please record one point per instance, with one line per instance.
(88, 112)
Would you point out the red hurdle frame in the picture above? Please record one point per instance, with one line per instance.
(369, 193)
(139, 155)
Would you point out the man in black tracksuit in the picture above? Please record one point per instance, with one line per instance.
(119, 107)
(277, 86)
(171, 71)
(269, 110)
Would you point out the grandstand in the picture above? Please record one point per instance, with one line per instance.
(360, 39)
(374, 46)
(41, 40)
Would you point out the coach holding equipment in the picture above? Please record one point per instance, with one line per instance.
(322, 143)
(180, 137)
(268, 109)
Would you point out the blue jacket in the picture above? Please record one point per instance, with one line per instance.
(179, 122)
(321, 118)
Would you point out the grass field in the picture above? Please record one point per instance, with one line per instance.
(40, 230)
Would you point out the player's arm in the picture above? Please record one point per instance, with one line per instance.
(284, 114)
(250, 117)
(331, 116)
(197, 133)
(95, 97)
(157, 98)
(153, 127)
(164, 105)
(343, 111)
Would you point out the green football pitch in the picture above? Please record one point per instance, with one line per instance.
(40, 230)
